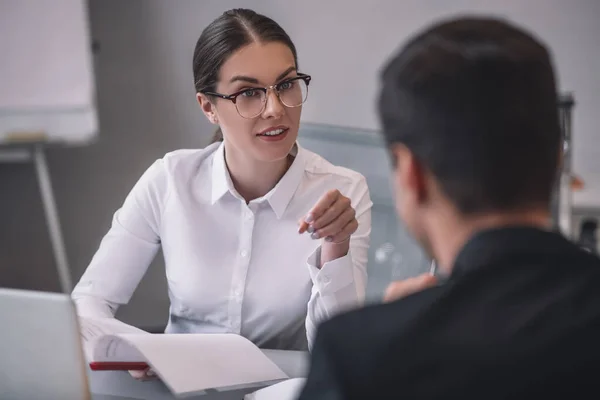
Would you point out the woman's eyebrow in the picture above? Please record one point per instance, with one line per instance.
(243, 79)
(285, 73)
(250, 79)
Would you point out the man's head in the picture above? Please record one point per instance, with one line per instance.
(469, 111)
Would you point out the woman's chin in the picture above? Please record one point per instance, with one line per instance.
(274, 150)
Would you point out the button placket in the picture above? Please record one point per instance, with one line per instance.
(241, 269)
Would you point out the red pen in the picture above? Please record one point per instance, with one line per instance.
(118, 366)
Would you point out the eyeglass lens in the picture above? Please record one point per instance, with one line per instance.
(252, 102)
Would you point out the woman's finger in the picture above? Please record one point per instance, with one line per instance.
(331, 214)
(302, 226)
(143, 375)
(344, 234)
(322, 205)
(337, 225)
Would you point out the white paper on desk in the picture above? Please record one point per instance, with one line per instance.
(287, 390)
(93, 329)
(191, 363)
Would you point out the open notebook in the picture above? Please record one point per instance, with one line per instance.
(186, 363)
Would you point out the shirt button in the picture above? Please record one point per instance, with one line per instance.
(326, 279)
(244, 253)
(249, 216)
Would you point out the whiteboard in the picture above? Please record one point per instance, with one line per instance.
(47, 90)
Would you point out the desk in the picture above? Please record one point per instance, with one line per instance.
(119, 385)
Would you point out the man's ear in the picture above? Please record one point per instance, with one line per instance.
(409, 173)
(207, 107)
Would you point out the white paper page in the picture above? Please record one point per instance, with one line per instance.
(114, 348)
(287, 390)
(93, 329)
(189, 363)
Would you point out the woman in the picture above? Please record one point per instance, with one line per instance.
(260, 237)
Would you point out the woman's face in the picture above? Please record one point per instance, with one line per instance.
(263, 136)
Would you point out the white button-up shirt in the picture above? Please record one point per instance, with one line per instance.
(231, 266)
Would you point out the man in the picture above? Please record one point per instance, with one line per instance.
(469, 111)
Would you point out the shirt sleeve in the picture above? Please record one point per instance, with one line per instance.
(126, 250)
(340, 284)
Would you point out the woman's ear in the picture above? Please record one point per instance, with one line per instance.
(207, 107)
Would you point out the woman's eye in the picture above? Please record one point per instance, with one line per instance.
(250, 93)
(286, 85)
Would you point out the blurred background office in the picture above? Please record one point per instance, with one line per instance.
(145, 102)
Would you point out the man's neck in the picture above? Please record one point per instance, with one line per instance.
(252, 178)
(453, 232)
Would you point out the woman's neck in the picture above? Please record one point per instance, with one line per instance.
(252, 178)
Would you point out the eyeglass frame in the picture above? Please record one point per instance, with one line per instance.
(233, 97)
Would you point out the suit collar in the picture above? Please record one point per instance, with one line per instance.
(501, 244)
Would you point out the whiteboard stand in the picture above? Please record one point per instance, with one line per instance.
(36, 154)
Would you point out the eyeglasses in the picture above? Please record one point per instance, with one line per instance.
(251, 102)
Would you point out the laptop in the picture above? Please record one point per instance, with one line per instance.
(41, 356)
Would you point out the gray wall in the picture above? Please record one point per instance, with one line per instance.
(146, 107)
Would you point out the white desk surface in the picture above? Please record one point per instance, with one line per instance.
(119, 385)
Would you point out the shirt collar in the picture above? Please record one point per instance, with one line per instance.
(221, 180)
(278, 198)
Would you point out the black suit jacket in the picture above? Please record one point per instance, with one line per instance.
(518, 317)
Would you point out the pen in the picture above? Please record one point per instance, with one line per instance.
(118, 366)
(433, 268)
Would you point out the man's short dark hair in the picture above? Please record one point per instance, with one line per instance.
(475, 100)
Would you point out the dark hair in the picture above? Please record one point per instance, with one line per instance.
(228, 33)
(475, 100)
(217, 136)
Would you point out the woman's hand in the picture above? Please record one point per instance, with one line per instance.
(400, 289)
(332, 219)
(143, 375)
